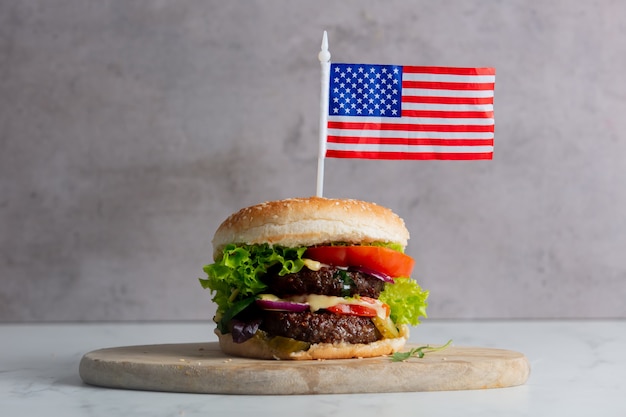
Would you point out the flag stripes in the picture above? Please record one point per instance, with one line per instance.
(445, 113)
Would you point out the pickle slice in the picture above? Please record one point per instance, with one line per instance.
(386, 327)
(287, 344)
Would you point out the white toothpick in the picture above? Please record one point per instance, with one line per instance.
(324, 57)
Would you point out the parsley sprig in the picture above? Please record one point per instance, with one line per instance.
(418, 351)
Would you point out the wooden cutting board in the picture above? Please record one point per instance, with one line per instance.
(203, 368)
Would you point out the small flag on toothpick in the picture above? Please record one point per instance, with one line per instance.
(397, 112)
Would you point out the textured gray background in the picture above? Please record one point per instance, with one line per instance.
(130, 129)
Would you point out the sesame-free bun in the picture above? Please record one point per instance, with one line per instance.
(261, 348)
(311, 221)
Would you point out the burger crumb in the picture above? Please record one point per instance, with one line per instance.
(227, 360)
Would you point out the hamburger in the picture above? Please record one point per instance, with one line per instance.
(313, 278)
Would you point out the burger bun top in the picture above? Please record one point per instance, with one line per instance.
(311, 221)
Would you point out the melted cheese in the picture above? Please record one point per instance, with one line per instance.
(312, 265)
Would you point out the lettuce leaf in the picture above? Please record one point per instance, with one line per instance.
(390, 245)
(236, 276)
(406, 299)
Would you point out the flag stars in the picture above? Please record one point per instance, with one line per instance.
(365, 90)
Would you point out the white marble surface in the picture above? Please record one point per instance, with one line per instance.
(578, 368)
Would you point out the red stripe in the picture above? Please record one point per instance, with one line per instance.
(438, 85)
(411, 127)
(410, 155)
(447, 100)
(448, 70)
(448, 114)
(410, 142)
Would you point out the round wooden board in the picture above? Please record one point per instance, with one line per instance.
(203, 368)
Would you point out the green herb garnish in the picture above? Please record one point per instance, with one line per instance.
(418, 351)
(346, 282)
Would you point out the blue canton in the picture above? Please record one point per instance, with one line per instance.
(365, 90)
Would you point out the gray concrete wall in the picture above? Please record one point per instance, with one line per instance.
(130, 129)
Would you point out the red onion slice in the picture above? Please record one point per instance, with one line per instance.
(376, 274)
(282, 305)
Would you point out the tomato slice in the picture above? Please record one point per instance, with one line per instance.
(377, 258)
(352, 310)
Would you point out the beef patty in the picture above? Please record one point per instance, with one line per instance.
(320, 327)
(326, 281)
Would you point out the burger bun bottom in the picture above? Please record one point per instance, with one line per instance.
(259, 348)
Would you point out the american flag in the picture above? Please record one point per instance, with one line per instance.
(410, 112)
